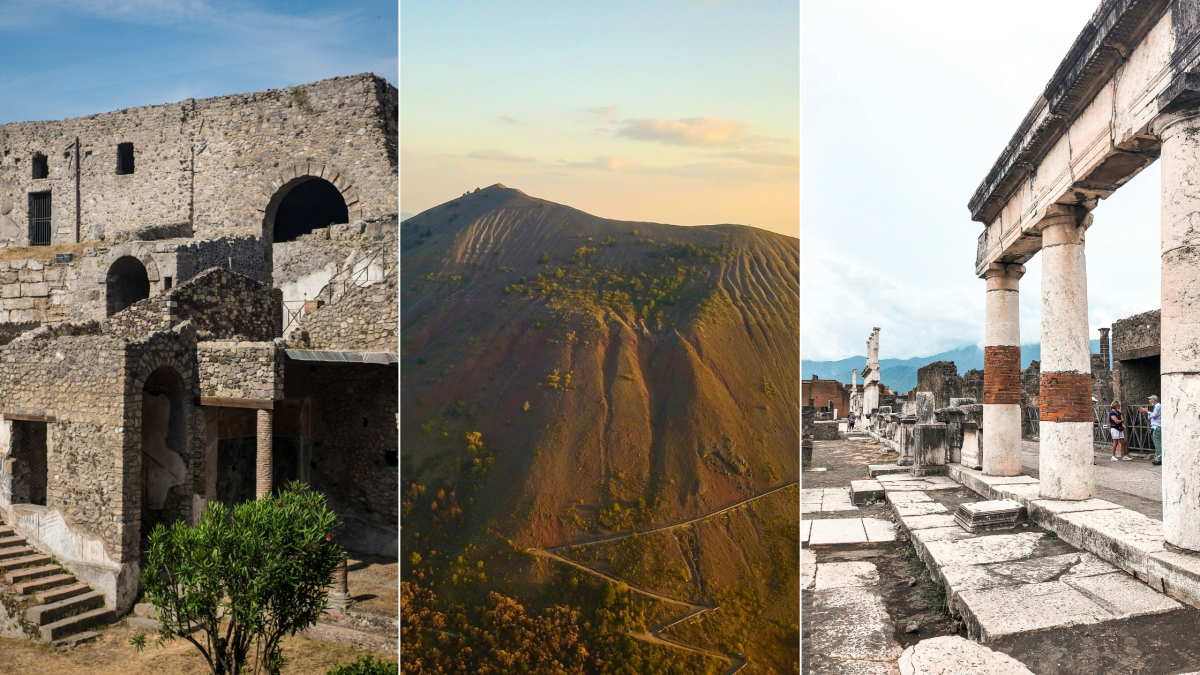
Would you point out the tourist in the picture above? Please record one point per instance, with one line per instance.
(850, 419)
(1116, 428)
(1155, 416)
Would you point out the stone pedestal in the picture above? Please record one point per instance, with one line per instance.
(929, 449)
(907, 426)
(1066, 458)
(339, 592)
(953, 418)
(971, 455)
(264, 464)
(1002, 371)
(1180, 359)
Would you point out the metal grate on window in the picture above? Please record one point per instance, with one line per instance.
(39, 219)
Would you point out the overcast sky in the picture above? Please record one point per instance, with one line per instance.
(680, 111)
(67, 58)
(905, 107)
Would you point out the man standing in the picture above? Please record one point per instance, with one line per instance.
(850, 419)
(1155, 416)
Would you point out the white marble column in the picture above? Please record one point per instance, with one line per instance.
(1002, 371)
(1065, 405)
(1180, 359)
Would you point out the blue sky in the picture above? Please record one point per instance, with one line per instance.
(681, 111)
(66, 58)
(905, 108)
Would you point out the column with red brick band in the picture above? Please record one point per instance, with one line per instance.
(1065, 402)
(1180, 358)
(1002, 371)
(264, 465)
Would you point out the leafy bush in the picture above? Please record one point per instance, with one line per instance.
(367, 665)
(261, 569)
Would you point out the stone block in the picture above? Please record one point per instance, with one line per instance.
(971, 453)
(930, 450)
(960, 402)
(825, 430)
(837, 531)
(10, 291)
(846, 575)
(35, 290)
(875, 470)
(925, 407)
(863, 491)
(953, 655)
(1001, 514)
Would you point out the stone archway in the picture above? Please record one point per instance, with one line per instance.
(128, 281)
(282, 183)
(164, 443)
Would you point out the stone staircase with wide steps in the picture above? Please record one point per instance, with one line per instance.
(57, 605)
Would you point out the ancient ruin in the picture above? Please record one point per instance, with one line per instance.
(199, 304)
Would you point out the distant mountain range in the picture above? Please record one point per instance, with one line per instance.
(900, 375)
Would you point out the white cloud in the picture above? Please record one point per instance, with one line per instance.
(702, 132)
(498, 156)
(607, 163)
(607, 112)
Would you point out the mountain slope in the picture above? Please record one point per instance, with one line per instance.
(565, 376)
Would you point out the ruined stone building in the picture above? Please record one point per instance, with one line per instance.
(1136, 349)
(829, 394)
(198, 303)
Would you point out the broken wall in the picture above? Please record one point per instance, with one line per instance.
(941, 378)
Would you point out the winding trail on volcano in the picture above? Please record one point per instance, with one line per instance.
(654, 635)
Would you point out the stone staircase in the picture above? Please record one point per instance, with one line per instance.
(59, 605)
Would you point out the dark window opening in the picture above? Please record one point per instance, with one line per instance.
(166, 283)
(39, 219)
(309, 206)
(364, 421)
(391, 457)
(124, 158)
(29, 466)
(127, 283)
(41, 168)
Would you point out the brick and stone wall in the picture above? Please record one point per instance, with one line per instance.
(941, 378)
(208, 167)
(1031, 384)
(1137, 337)
(973, 384)
(365, 319)
(221, 303)
(252, 370)
(354, 461)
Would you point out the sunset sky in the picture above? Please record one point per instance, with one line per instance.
(681, 112)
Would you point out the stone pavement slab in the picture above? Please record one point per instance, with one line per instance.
(863, 491)
(879, 530)
(953, 655)
(851, 624)
(1009, 610)
(918, 508)
(1123, 596)
(808, 568)
(926, 522)
(983, 550)
(837, 531)
(805, 528)
(846, 575)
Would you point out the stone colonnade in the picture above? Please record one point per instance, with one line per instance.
(1066, 455)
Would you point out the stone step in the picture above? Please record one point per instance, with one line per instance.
(56, 590)
(77, 639)
(28, 573)
(41, 615)
(8, 541)
(77, 624)
(863, 491)
(17, 552)
(23, 561)
(6, 531)
(876, 470)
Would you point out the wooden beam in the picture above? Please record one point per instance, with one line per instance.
(28, 418)
(229, 402)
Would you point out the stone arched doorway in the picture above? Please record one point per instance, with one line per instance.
(128, 282)
(164, 447)
(309, 204)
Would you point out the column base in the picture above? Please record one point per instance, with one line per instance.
(1002, 439)
(1065, 461)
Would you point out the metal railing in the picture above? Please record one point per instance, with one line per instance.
(1137, 426)
(356, 275)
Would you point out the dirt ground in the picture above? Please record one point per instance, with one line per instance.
(374, 584)
(111, 654)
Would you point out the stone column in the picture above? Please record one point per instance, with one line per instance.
(1180, 359)
(265, 478)
(1066, 458)
(339, 593)
(1002, 371)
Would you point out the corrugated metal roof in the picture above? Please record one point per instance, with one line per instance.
(382, 358)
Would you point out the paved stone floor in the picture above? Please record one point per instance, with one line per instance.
(889, 590)
(1136, 485)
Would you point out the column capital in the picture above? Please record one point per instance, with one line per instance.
(1010, 270)
(1166, 124)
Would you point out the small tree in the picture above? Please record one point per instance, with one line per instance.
(241, 579)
